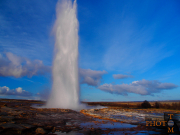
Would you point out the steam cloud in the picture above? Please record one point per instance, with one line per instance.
(142, 87)
(12, 65)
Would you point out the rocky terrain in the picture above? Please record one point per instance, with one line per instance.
(19, 117)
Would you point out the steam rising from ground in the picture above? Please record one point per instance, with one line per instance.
(65, 90)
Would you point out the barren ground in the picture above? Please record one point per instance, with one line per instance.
(19, 117)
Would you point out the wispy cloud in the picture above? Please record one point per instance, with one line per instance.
(142, 87)
(130, 39)
(133, 49)
(12, 65)
(26, 31)
(91, 77)
(16, 92)
(121, 76)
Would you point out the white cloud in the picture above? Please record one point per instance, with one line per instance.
(142, 87)
(4, 89)
(17, 92)
(91, 77)
(121, 76)
(12, 65)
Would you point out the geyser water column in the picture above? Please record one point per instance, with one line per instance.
(65, 89)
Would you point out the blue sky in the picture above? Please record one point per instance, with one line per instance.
(128, 50)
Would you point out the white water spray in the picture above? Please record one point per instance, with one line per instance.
(65, 89)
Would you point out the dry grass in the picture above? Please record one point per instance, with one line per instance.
(169, 105)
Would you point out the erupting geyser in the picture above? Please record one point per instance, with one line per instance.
(65, 89)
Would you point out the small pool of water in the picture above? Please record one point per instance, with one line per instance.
(70, 133)
(133, 133)
(103, 124)
(115, 133)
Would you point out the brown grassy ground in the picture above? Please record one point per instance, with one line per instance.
(169, 105)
